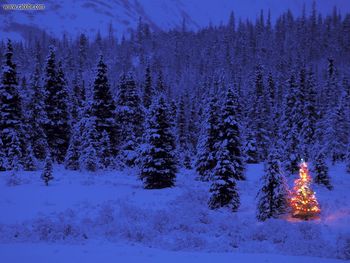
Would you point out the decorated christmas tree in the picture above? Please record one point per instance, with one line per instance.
(303, 201)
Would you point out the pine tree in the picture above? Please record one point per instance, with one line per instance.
(223, 188)
(105, 151)
(71, 161)
(148, 89)
(11, 118)
(321, 171)
(291, 126)
(207, 147)
(273, 195)
(57, 127)
(46, 175)
(29, 160)
(193, 130)
(37, 116)
(78, 99)
(250, 148)
(338, 133)
(158, 158)
(259, 115)
(129, 118)
(231, 134)
(182, 146)
(90, 156)
(310, 114)
(103, 106)
(14, 151)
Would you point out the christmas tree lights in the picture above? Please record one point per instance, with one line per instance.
(303, 201)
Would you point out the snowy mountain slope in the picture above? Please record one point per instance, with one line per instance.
(75, 16)
(84, 214)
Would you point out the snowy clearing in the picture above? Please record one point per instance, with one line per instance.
(109, 216)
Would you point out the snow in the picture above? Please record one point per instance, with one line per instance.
(100, 251)
(108, 216)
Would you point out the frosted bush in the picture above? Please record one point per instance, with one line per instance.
(13, 180)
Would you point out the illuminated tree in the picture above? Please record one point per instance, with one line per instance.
(303, 201)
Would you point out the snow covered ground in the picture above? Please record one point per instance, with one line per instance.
(109, 217)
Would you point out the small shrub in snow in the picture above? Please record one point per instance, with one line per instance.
(46, 175)
(13, 180)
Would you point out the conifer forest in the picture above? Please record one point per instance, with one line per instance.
(226, 142)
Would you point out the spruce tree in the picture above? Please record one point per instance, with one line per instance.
(37, 116)
(147, 89)
(105, 151)
(223, 189)
(208, 143)
(11, 117)
(250, 148)
(291, 126)
(158, 158)
(338, 133)
(14, 151)
(273, 195)
(258, 114)
(310, 114)
(57, 127)
(90, 149)
(129, 117)
(193, 130)
(47, 175)
(321, 171)
(71, 161)
(103, 106)
(181, 124)
(231, 134)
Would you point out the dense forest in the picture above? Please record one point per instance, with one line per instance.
(211, 100)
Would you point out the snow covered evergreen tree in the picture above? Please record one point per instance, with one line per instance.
(158, 158)
(129, 117)
(147, 89)
(71, 161)
(11, 118)
(310, 114)
(258, 115)
(208, 143)
(37, 116)
(273, 194)
(250, 148)
(223, 189)
(291, 126)
(105, 151)
(103, 106)
(230, 137)
(47, 175)
(89, 158)
(321, 171)
(181, 124)
(57, 127)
